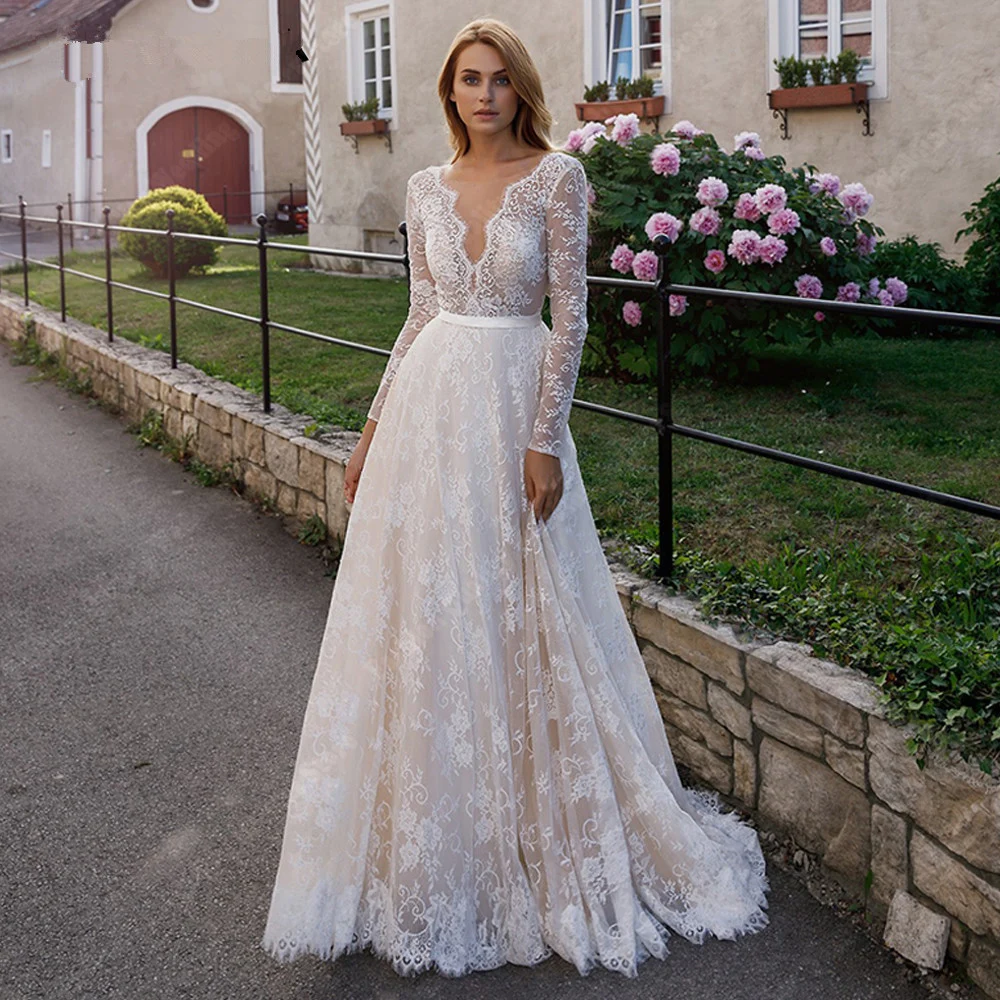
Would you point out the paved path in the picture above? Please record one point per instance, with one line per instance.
(157, 643)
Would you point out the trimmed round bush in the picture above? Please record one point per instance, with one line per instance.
(192, 214)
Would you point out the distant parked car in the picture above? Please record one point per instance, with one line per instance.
(292, 217)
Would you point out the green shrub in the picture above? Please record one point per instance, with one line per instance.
(192, 214)
(935, 282)
(982, 259)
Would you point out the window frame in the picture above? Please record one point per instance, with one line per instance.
(355, 15)
(783, 40)
(279, 86)
(5, 134)
(596, 46)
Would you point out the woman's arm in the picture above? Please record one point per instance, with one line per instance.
(423, 297)
(566, 236)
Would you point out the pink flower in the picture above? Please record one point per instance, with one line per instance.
(808, 286)
(783, 222)
(746, 208)
(591, 132)
(664, 222)
(885, 297)
(754, 153)
(621, 258)
(678, 305)
(865, 245)
(897, 289)
(772, 250)
(830, 183)
(742, 139)
(632, 313)
(712, 191)
(818, 316)
(745, 246)
(856, 198)
(574, 141)
(828, 246)
(625, 128)
(706, 221)
(851, 292)
(645, 265)
(715, 261)
(770, 198)
(665, 159)
(686, 130)
(873, 287)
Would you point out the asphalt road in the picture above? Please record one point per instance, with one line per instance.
(157, 643)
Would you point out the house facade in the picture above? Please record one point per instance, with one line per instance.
(104, 100)
(934, 70)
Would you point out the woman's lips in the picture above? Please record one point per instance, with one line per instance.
(486, 114)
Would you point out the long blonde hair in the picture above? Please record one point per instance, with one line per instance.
(533, 119)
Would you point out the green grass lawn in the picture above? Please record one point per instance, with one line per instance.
(925, 412)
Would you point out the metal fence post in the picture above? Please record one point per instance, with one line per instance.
(172, 288)
(24, 244)
(62, 264)
(265, 319)
(664, 409)
(69, 202)
(107, 272)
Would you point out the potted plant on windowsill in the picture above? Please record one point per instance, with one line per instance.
(834, 82)
(362, 118)
(631, 97)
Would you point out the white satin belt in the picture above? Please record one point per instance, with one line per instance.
(463, 319)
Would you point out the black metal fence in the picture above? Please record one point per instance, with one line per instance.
(663, 423)
(242, 218)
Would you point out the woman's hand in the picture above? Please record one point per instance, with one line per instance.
(543, 482)
(352, 474)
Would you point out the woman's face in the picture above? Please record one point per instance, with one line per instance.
(481, 84)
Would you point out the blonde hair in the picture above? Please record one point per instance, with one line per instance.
(533, 120)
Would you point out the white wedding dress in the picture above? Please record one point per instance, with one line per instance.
(483, 774)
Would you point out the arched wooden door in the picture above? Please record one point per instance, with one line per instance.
(203, 149)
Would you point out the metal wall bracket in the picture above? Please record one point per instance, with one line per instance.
(782, 114)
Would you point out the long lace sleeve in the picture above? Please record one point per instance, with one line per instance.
(566, 236)
(423, 296)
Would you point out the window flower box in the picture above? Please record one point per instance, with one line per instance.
(598, 111)
(827, 95)
(366, 126)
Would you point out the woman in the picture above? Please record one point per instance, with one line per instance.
(483, 775)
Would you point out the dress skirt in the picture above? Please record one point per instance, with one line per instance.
(483, 774)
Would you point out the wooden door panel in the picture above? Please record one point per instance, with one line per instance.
(171, 150)
(224, 159)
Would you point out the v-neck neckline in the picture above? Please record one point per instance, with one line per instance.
(454, 196)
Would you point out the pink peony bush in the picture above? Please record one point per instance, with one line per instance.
(739, 220)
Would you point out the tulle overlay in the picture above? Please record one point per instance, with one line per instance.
(483, 774)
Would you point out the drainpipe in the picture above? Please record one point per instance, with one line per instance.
(97, 126)
(80, 187)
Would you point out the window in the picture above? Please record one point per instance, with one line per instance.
(286, 39)
(634, 39)
(370, 55)
(46, 147)
(6, 146)
(812, 28)
(629, 38)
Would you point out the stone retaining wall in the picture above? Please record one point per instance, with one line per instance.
(798, 741)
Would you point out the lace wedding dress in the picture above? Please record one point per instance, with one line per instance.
(483, 775)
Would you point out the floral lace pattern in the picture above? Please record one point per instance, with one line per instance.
(482, 774)
(535, 244)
